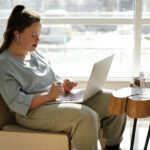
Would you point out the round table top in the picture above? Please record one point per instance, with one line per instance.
(126, 92)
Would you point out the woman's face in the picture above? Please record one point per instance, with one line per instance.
(29, 38)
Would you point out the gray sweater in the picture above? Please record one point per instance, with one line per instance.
(20, 80)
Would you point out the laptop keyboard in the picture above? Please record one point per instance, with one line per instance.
(73, 97)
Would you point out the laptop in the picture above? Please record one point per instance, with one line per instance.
(95, 83)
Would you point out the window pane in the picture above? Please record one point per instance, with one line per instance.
(78, 46)
(102, 8)
(2, 29)
(53, 8)
(146, 9)
(73, 49)
(145, 53)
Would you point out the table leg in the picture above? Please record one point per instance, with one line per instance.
(133, 134)
(147, 139)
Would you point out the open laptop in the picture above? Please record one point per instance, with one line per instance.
(95, 83)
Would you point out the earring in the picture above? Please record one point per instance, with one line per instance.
(17, 38)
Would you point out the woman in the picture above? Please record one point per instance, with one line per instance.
(28, 83)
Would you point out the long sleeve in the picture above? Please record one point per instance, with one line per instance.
(17, 100)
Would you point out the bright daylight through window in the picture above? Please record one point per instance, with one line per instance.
(75, 34)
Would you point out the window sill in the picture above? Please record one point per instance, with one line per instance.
(111, 83)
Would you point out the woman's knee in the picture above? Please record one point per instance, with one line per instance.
(90, 116)
(105, 94)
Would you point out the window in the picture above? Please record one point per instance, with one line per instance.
(75, 34)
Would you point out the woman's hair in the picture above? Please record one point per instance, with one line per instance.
(20, 19)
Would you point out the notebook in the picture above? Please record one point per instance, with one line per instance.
(95, 83)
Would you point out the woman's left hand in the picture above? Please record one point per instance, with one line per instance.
(68, 85)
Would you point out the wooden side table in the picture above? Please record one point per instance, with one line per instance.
(134, 103)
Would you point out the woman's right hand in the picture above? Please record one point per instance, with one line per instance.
(56, 90)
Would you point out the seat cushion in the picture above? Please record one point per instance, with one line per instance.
(6, 116)
(16, 128)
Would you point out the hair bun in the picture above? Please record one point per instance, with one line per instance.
(17, 9)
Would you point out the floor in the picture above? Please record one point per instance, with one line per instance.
(141, 133)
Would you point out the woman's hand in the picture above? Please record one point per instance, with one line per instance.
(56, 90)
(68, 85)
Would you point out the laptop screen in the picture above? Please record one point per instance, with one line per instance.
(98, 76)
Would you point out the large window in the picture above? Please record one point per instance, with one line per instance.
(75, 34)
